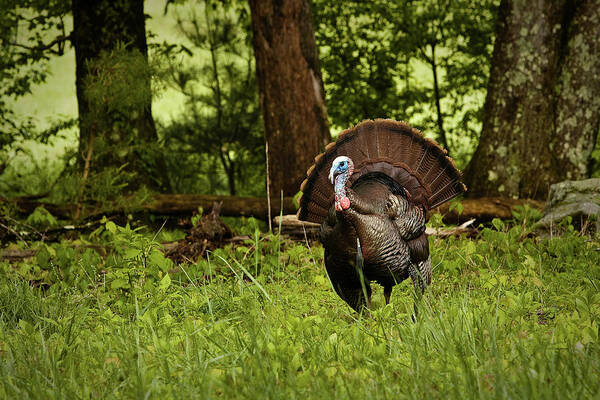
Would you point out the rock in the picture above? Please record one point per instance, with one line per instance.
(578, 199)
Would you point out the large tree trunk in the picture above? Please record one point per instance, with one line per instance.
(542, 110)
(100, 26)
(291, 90)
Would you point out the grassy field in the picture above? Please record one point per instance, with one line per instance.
(507, 316)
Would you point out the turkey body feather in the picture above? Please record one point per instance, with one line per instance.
(373, 206)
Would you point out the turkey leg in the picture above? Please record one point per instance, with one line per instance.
(360, 262)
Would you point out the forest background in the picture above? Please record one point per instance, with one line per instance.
(426, 62)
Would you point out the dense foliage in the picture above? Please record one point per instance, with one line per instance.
(422, 61)
(25, 27)
(108, 316)
(31, 31)
(216, 144)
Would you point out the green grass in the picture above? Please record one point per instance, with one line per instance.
(505, 317)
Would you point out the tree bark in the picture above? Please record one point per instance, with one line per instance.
(100, 26)
(542, 111)
(291, 90)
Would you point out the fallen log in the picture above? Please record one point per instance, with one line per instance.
(19, 255)
(465, 229)
(291, 226)
(483, 209)
(24, 232)
(14, 256)
(167, 204)
(233, 206)
(26, 205)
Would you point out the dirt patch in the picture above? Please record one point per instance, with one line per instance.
(208, 234)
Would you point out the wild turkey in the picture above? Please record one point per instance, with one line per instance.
(371, 191)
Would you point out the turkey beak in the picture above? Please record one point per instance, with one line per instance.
(332, 174)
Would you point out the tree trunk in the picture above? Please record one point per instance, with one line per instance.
(542, 111)
(290, 88)
(437, 97)
(100, 26)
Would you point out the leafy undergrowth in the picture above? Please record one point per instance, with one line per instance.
(507, 316)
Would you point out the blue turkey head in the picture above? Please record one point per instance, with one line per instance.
(341, 165)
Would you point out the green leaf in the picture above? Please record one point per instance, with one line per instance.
(470, 248)
(111, 227)
(456, 205)
(296, 199)
(43, 258)
(498, 224)
(165, 282)
(119, 283)
(131, 253)
(158, 259)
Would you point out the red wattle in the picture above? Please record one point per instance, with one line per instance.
(345, 203)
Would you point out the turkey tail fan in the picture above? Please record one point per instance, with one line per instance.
(393, 148)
